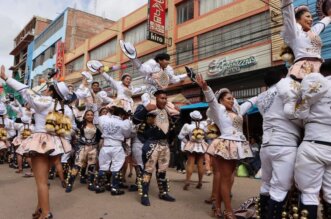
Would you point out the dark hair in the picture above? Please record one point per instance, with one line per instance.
(300, 13)
(55, 94)
(102, 108)
(162, 56)
(272, 77)
(326, 68)
(84, 121)
(222, 95)
(158, 92)
(124, 76)
(118, 111)
(95, 82)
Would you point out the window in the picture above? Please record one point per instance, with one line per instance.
(50, 31)
(136, 34)
(133, 70)
(104, 51)
(235, 35)
(50, 52)
(38, 61)
(185, 11)
(184, 52)
(208, 5)
(75, 65)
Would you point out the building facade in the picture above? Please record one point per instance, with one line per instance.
(233, 43)
(68, 31)
(20, 51)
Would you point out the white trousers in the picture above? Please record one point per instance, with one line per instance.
(137, 151)
(66, 156)
(313, 172)
(111, 158)
(277, 165)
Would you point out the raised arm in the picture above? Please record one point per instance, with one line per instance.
(113, 83)
(244, 107)
(215, 109)
(319, 27)
(174, 78)
(146, 68)
(290, 25)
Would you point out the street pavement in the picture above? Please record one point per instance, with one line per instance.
(18, 199)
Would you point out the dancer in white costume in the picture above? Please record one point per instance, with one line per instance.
(281, 138)
(231, 145)
(157, 72)
(42, 145)
(306, 44)
(195, 146)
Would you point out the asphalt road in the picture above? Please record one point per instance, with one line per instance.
(18, 199)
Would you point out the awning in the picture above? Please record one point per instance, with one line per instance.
(204, 105)
(178, 99)
(194, 106)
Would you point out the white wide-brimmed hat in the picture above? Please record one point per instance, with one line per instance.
(94, 65)
(88, 76)
(63, 90)
(196, 115)
(128, 49)
(104, 97)
(322, 8)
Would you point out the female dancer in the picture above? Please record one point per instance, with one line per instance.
(305, 43)
(25, 130)
(86, 156)
(124, 90)
(231, 145)
(46, 142)
(195, 147)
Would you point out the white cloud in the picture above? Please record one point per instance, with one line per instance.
(16, 14)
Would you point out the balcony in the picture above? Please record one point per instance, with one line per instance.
(23, 43)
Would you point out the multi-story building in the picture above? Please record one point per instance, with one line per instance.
(228, 41)
(68, 31)
(31, 30)
(233, 43)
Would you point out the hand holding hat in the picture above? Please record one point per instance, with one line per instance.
(190, 73)
(128, 49)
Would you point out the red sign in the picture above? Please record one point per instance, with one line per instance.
(60, 59)
(156, 20)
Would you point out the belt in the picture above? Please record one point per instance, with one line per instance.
(320, 142)
(313, 59)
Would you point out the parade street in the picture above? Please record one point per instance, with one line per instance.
(19, 198)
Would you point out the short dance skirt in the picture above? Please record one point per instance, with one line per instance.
(43, 143)
(230, 149)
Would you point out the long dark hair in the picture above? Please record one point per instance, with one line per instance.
(84, 122)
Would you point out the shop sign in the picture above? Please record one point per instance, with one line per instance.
(223, 67)
(60, 59)
(156, 21)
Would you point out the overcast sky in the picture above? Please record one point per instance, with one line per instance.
(15, 14)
